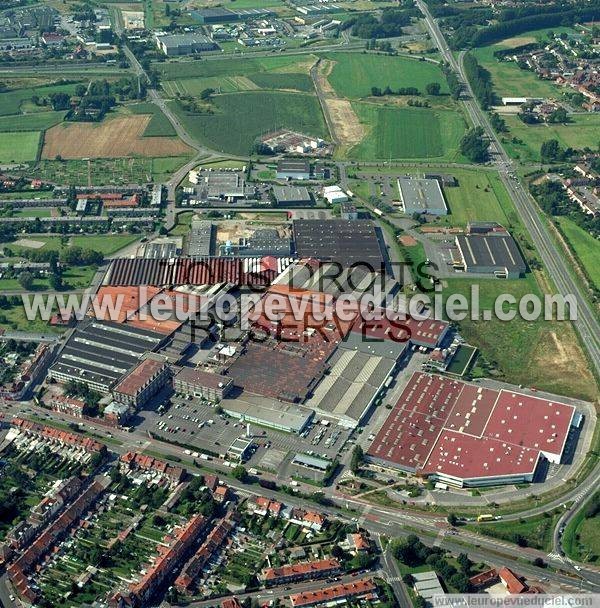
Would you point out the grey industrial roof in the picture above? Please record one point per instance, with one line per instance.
(351, 384)
(311, 461)
(482, 251)
(346, 242)
(285, 194)
(298, 165)
(269, 411)
(102, 352)
(202, 238)
(421, 195)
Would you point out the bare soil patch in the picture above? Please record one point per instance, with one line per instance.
(112, 138)
(30, 243)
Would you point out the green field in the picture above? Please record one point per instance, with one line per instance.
(581, 132)
(228, 67)
(19, 147)
(511, 81)
(104, 243)
(275, 80)
(242, 117)
(30, 122)
(11, 102)
(581, 539)
(405, 133)
(159, 125)
(585, 246)
(354, 74)
(542, 354)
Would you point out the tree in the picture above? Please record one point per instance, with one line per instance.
(474, 145)
(55, 281)
(539, 562)
(559, 115)
(433, 88)
(465, 563)
(357, 458)
(452, 519)
(25, 279)
(240, 473)
(550, 150)
(408, 579)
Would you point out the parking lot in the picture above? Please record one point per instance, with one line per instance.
(197, 423)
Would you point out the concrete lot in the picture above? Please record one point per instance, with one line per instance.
(189, 420)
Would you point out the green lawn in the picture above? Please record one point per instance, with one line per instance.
(585, 246)
(243, 117)
(582, 131)
(581, 539)
(354, 74)
(33, 212)
(19, 147)
(405, 133)
(104, 243)
(543, 354)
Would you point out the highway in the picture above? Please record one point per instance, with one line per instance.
(587, 323)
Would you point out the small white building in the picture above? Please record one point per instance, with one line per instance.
(334, 195)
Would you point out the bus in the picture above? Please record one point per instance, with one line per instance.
(485, 517)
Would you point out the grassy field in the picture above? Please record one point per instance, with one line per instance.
(30, 122)
(354, 74)
(581, 539)
(104, 243)
(585, 246)
(231, 67)
(19, 147)
(510, 80)
(479, 197)
(536, 532)
(11, 102)
(542, 354)
(405, 133)
(275, 80)
(159, 125)
(241, 118)
(582, 131)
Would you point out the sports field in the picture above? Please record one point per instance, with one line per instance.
(104, 243)
(585, 246)
(240, 118)
(19, 147)
(114, 137)
(581, 132)
(354, 74)
(398, 133)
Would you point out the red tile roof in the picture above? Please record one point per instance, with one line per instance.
(513, 583)
(303, 569)
(52, 434)
(330, 594)
(466, 431)
(139, 377)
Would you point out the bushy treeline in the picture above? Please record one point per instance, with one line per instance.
(480, 80)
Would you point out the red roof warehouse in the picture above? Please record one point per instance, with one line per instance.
(467, 435)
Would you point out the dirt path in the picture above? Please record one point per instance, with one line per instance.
(344, 126)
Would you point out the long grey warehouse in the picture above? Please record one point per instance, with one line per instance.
(419, 195)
